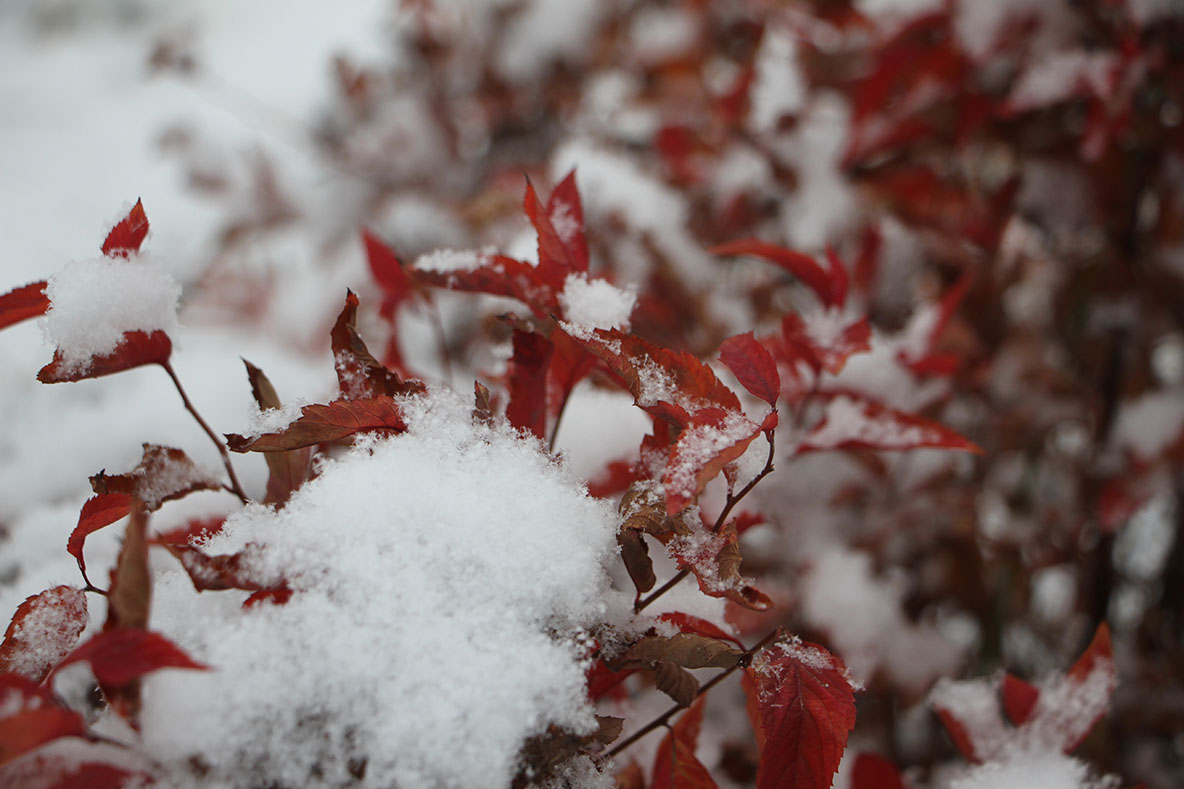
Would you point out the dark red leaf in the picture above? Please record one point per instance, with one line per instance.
(563, 247)
(97, 512)
(43, 631)
(800, 265)
(753, 366)
(31, 717)
(804, 707)
(872, 771)
(97, 775)
(840, 280)
(121, 655)
(163, 474)
(194, 529)
(322, 424)
(636, 556)
(675, 764)
(126, 237)
(388, 273)
(687, 623)
(1019, 698)
(276, 596)
(359, 374)
(604, 681)
(1095, 666)
(136, 349)
(224, 571)
(23, 303)
(527, 409)
(713, 439)
(825, 341)
(497, 275)
(851, 423)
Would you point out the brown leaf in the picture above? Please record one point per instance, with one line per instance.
(323, 424)
(163, 474)
(131, 581)
(676, 682)
(688, 650)
(636, 555)
(287, 471)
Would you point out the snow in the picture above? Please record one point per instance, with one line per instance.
(778, 88)
(47, 632)
(596, 303)
(446, 261)
(1045, 769)
(1056, 76)
(94, 302)
(477, 645)
(1149, 424)
(546, 30)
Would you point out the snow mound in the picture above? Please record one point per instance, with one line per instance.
(443, 580)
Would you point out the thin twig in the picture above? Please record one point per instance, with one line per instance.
(742, 662)
(236, 488)
(437, 322)
(729, 505)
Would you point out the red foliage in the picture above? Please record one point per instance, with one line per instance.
(23, 303)
(125, 238)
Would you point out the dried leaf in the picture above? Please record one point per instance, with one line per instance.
(287, 471)
(323, 424)
(753, 366)
(213, 572)
(802, 707)
(636, 556)
(127, 236)
(43, 631)
(482, 410)
(163, 474)
(676, 682)
(130, 594)
(23, 303)
(688, 650)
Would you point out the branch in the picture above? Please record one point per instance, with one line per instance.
(235, 487)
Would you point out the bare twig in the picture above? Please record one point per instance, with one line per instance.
(235, 487)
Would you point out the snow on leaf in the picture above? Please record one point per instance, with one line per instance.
(31, 717)
(800, 265)
(563, 247)
(802, 706)
(23, 303)
(969, 710)
(123, 654)
(753, 366)
(322, 424)
(193, 530)
(714, 558)
(359, 374)
(713, 439)
(163, 474)
(43, 630)
(823, 339)
(851, 423)
(213, 572)
(675, 764)
(126, 237)
(496, 275)
(97, 512)
(135, 349)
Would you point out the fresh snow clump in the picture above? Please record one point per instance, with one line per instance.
(443, 580)
(597, 302)
(93, 302)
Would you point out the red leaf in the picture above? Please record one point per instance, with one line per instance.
(709, 442)
(497, 275)
(126, 237)
(97, 775)
(804, 707)
(753, 366)
(207, 572)
(527, 409)
(276, 596)
(194, 529)
(43, 631)
(97, 512)
(388, 273)
(840, 281)
(322, 424)
(872, 771)
(121, 655)
(136, 349)
(825, 341)
(1019, 699)
(359, 374)
(693, 624)
(799, 264)
(23, 303)
(31, 717)
(603, 681)
(563, 247)
(851, 423)
(675, 765)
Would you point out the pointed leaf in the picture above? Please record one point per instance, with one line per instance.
(753, 366)
(527, 409)
(130, 594)
(136, 349)
(676, 682)
(121, 655)
(194, 529)
(277, 595)
(323, 424)
(840, 280)
(97, 512)
(824, 340)
(804, 708)
(359, 374)
(851, 423)
(43, 631)
(163, 474)
(496, 275)
(563, 247)
(126, 237)
(287, 471)
(23, 303)
(800, 265)
(636, 556)
(713, 439)
(31, 717)
(223, 571)
(1019, 699)
(388, 273)
(675, 763)
(693, 624)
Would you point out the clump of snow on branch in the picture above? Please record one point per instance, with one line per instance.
(596, 302)
(393, 541)
(94, 302)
